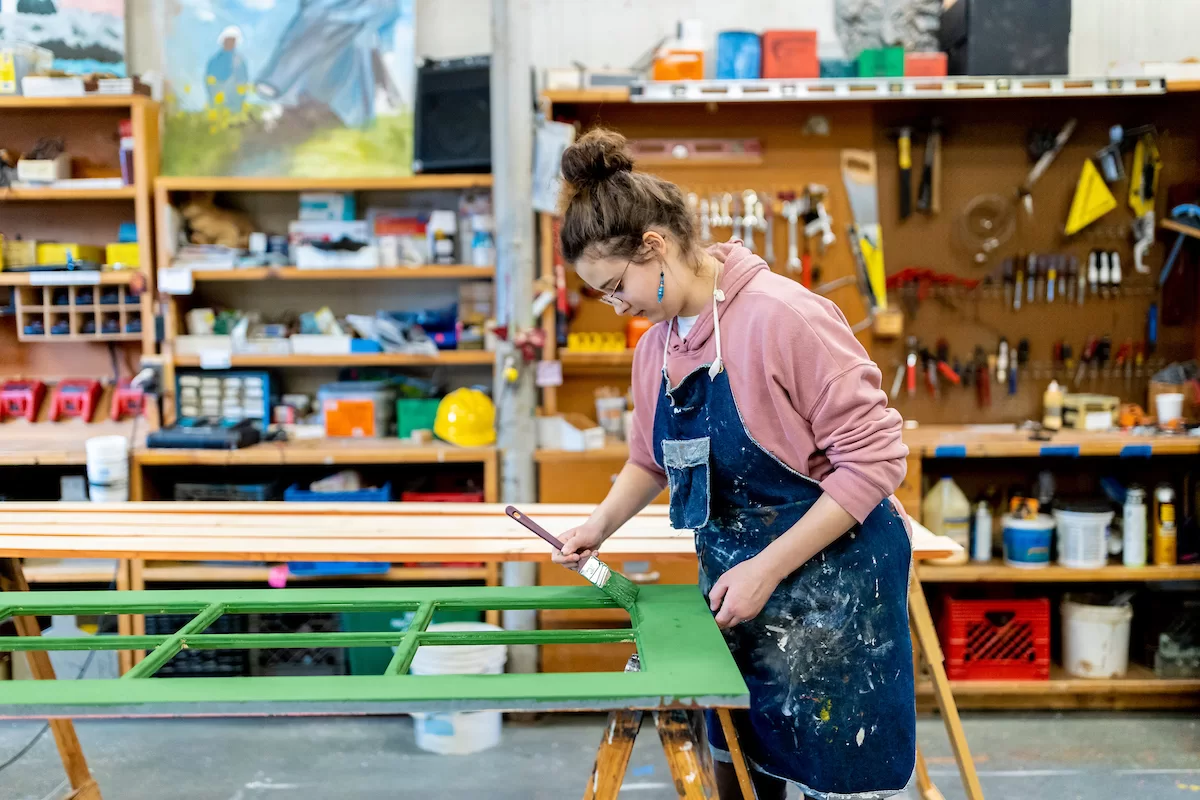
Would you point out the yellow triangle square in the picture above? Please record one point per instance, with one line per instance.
(1092, 199)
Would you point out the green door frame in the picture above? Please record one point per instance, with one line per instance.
(685, 662)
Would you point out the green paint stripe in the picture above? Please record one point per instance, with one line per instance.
(250, 641)
(5, 613)
(167, 650)
(402, 659)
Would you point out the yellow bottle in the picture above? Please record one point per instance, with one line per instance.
(947, 512)
(1164, 526)
(1052, 407)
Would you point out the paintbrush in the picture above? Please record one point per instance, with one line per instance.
(607, 580)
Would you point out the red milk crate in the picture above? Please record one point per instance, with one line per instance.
(996, 640)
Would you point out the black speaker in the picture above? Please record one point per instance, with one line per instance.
(454, 116)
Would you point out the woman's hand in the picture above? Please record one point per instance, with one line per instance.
(579, 543)
(740, 594)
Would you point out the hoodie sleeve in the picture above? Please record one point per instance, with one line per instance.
(646, 380)
(836, 390)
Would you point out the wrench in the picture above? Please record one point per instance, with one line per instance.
(767, 214)
(749, 221)
(791, 212)
(705, 230)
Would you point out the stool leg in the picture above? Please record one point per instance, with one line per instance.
(925, 635)
(735, 752)
(12, 579)
(612, 758)
(686, 755)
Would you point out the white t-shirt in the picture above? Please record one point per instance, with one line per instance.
(684, 325)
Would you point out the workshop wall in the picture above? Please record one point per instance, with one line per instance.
(616, 34)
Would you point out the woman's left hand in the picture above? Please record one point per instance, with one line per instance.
(740, 594)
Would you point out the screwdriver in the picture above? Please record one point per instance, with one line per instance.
(1008, 282)
(1020, 284)
(1104, 273)
(1093, 274)
(1051, 278)
(1124, 361)
(983, 369)
(1062, 276)
(1068, 289)
(910, 363)
(1103, 350)
(1031, 270)
(943, 366)
(1081, 287)
(930, 364)
(1002, 362)
(1089, 350)
(1114, 277)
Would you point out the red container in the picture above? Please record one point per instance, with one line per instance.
(997, 640)
(790, 54)
(924, 65)
(441, 497)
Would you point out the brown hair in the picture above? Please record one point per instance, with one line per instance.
(606, 206)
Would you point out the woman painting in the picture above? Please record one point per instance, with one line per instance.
(764, 415)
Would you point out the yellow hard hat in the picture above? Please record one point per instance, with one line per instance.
(467, 418)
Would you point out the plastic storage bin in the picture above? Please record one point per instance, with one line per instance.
(229, 492)
(1027, 541)
(374, 660)
(1095, 637)
(1007, 640)
(294, 494)
(1083, 538)
(296, 661)
(414, 414)
(344, 411)
(195, 663)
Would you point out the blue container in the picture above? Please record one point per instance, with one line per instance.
(294, 494)
(739, 55)
(1027, 541)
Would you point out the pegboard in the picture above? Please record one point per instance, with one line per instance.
(984, 151)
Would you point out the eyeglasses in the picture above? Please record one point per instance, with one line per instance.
(611, 296)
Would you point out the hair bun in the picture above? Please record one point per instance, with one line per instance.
(594, 158)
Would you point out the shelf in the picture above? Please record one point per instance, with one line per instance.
(954, 87)
(107, 278)
(124, 193)
(957, 441)
(68, 570)
(45, 443)
(185, 572)
(93, 100)
(319, 451)
(397, 184)
(454, 358)
(1179, 227)
(578, 362)
(997, 572)
(565, 96)
(1138, 680)
(613, 449)
(428, 272)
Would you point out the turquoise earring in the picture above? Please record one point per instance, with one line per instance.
(661, 284)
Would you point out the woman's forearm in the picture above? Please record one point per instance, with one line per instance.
(822, 525)
(632, 491)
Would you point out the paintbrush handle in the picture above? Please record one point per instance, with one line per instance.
(533, 526)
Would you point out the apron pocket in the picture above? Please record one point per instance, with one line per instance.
(686, 463)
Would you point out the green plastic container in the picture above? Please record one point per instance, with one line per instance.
(881, 62)
(374, 660)
(414, 414)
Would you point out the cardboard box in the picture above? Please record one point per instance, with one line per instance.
(574, 432)
(123, 256)
(790, 54)
(44, 170)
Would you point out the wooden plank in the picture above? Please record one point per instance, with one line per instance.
(298, 184)
(1138, 680)
(576, 96)
(459, 358)
(87, 101)
(108, 277)
(687, 756)
(934, 441)
(13, 195)
(424, 272)
(735, 752)
(320, 451)
(998, 572)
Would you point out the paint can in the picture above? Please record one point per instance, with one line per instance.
(460, 732)
(1082, 537)
(1027, 541)
(1095, 637)
(107, 468)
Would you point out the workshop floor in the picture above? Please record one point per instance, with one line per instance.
(1060, 756)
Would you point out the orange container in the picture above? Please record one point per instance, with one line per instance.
(679, 65)
(635, 329)
(350, 418)
(790, 54)
(924, 65)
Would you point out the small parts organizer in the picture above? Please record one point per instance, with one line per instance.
(78, 313)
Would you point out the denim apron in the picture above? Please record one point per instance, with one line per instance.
(828, 661)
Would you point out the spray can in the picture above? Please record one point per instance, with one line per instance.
(1164, 525)
(981, 542)
(1134, 528)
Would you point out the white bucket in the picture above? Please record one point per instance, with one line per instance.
(1095, 639)
(459, 732)
(1170, 407)
(107, 468)
(1083, 538)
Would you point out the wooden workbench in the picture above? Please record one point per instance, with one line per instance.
(382, 532)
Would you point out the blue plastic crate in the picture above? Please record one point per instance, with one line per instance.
(294, 494)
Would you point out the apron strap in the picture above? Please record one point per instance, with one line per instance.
(718, 363)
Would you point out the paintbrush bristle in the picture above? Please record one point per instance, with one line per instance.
(611, 582)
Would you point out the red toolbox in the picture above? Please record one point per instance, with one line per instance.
(997, 640)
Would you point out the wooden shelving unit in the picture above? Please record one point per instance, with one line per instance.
(364, 184)
(1139, 688)
(430, 272)
(121, 277)
(998, 572)
(458, 358)
(58, 194)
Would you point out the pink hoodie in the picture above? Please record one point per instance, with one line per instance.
(806, 389)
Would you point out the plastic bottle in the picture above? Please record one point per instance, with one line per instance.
(1134, 528)
(946, 511)
(1164, 525)
(981, 543)
(1052, 407)
(483, 245)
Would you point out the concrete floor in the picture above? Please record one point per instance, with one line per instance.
(1060, 756)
